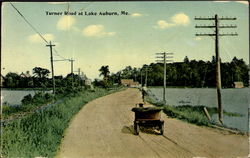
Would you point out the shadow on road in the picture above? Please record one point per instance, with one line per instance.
(130, 130)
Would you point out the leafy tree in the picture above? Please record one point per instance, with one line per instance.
(104, 71)
(40, 72)
(11, 80)
(186, 60)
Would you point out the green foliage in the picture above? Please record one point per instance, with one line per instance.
(40, 134)
(104, 71)
(27, 99)
(41, 72)
(189, 73)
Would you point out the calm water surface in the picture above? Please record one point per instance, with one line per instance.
(233, 100)
(14, 97)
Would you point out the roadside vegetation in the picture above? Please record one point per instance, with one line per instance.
(36, 127)
(191, 114)
(40, 133)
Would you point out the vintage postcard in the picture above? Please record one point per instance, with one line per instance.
(125, 79)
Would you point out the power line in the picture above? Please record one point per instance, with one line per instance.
(29, 23)
(34, 29)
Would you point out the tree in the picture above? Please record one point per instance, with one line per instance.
(40, 72)
(11, 80)
(186, 60)
(40, 77)
(104, 71)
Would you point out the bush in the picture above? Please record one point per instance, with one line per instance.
(27, 99)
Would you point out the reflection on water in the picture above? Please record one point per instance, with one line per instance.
(233, 100)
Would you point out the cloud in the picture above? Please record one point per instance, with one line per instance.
(66, 22)
(96, 31)
(176, 20)
(35, 38)
(136, 15)
(180, 19)
(197, 38)
(162, 24)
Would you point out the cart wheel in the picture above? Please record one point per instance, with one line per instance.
(136, 129)
(162, 129)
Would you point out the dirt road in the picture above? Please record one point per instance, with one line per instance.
(103, 129)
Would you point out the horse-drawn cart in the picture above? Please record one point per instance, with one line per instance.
(149, 117)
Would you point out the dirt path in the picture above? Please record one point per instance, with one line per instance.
(103, 129)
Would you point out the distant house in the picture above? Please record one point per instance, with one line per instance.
(135, 84)
(129, 83)
(126, 82)
(238, 85)
(88, 82)
(27, 78)
(25, 75)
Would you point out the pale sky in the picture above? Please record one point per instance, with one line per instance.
(117, 40)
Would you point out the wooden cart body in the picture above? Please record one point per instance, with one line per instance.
(149, 117)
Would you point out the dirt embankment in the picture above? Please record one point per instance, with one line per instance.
(104, 129)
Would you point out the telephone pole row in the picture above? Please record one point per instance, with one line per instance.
(162, 58)
(216, 34)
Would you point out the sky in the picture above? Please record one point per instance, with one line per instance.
(132, 38)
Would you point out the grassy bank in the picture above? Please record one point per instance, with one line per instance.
(191, 114)
(40, 133)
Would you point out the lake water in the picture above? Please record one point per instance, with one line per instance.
(14, 97)
(233, 100)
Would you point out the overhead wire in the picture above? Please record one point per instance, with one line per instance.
(34, 29)
(29, 23)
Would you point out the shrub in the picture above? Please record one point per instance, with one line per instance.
(27, 99)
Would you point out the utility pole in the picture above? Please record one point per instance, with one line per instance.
(141, 78)
(216, 34)
(79, 73)
(163, 59)
(52, 67)
(72, 71)
(146, 77)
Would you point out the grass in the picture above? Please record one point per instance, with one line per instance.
(40, 133)
(191, 114)
(29, 103)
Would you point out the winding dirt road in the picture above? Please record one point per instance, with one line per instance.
(103, 129)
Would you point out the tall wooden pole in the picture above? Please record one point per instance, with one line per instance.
(146, 78)
(79, 78)
(72, 71)
(141, 79)
(52, 67)
(163, 59)
(218, 75)
(164, 88)
(216, 34)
